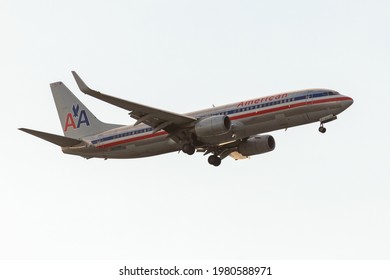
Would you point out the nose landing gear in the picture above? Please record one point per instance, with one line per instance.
(326, 119)
(322, 129)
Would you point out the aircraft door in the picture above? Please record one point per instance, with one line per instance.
(309, 98)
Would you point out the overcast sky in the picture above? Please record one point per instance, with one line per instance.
(317, 196)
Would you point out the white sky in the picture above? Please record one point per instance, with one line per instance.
(315, 197)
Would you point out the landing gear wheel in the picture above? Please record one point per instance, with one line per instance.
(214, 160)
(322, 129)
(188, 149)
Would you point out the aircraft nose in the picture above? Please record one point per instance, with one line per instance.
(347, 102)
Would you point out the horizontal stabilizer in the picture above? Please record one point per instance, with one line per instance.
(61, 141)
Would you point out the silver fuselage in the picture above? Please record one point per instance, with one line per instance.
(249, 118)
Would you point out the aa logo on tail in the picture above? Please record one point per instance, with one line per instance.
(76, 119)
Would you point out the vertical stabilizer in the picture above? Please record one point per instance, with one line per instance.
(76, 120)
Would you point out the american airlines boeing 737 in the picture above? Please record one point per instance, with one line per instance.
(235, 130)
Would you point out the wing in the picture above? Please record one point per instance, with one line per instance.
(237, 156)
(156, 118)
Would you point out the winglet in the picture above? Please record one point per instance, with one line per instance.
(82, 86)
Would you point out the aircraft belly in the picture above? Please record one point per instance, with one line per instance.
(146, 148)
(274, 121)
(143, 148)
(287, 118)
(317, 111)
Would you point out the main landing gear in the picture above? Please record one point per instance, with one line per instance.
(214, 160)
(188, 149)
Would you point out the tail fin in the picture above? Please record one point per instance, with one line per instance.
(76, 120)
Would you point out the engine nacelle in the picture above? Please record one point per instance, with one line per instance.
(212, 126)
(257, 145)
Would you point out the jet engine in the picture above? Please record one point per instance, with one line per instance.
(212, 126)
(257, 145)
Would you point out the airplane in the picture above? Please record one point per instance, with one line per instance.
(235, 130)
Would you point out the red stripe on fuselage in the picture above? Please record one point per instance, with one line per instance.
(124, 141)
(290, 106)
(256, 113)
